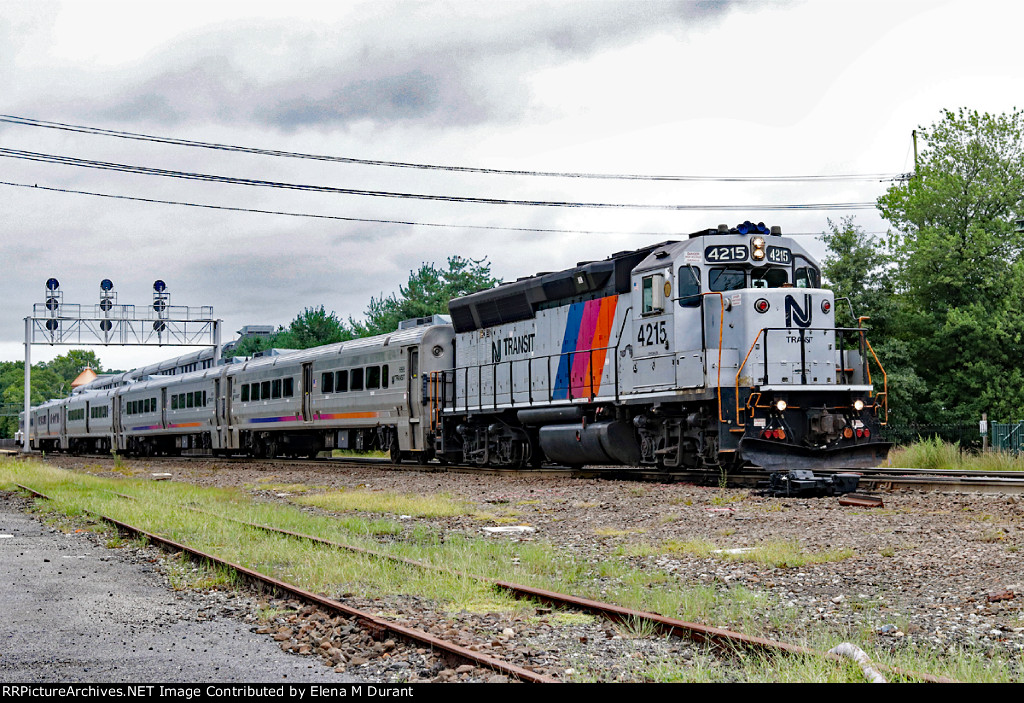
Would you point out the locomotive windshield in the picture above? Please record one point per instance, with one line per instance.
(727, 279)
(769, 278)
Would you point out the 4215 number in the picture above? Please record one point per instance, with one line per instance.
(651, 334)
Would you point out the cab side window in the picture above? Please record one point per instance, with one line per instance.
(689, 286)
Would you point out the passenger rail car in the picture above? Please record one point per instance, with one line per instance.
(704, 353)
(361, 394)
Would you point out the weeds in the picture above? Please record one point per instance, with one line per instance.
(441, 505)
(933, 453)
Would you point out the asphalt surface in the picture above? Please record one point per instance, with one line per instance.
(75, 611)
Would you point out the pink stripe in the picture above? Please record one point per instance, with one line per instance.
(584, 341)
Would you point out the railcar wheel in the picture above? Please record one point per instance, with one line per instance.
(396, 453)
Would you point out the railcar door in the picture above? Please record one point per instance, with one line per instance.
(307, 390)
(163, 407)
(87, 417)
(415, 395)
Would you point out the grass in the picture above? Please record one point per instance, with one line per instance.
(933, 453)
(440, 505)
(776, 554)
(158, 508)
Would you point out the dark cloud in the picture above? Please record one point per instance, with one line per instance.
(430, 64)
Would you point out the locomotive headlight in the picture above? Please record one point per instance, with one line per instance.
(757, 248)
(858, 405)
(780, 405)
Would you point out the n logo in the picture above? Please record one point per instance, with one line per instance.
(794, 313)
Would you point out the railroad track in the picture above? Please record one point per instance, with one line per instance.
(371, 623)
(722, 638)
(877, 479)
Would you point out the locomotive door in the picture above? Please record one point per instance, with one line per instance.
(415, 395)
(654, 359)
(307, 390)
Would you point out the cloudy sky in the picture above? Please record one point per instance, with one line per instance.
(706, 89)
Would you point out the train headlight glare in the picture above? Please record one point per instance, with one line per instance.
(780, 405)
(858, 404)
(757, 248)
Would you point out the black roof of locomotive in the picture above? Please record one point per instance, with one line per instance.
(521, 299)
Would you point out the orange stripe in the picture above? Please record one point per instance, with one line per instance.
(603, 332)
(345, 416)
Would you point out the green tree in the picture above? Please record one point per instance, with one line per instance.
(313, 327)
(69, 366)
(46, 384)
(857, 268)
(958, 269)
(427, 292)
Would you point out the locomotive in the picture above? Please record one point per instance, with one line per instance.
(704, 353)
(709, 352)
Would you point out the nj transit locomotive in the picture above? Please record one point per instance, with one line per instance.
(704, 353)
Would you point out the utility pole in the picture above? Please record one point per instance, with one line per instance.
(913, 134)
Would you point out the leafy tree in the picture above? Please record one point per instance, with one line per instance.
(427, 292)
(46, 384)
(311, 328)
(958, 267)
(69, 366)
(857, 268)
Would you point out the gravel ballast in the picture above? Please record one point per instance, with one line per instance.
(927, 570)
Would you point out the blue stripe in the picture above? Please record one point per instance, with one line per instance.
(572, 333)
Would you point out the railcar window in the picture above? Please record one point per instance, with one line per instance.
(174, 402)
(255, 395)
(689, 287)
(356, 378)
(275, 388)
(372, 377)
(190, 401)
(341, 381)
(769, 278)
(289, 387)
(807, 277)
(327, 382)
(245, 393)
(265, 390)
(727, 279)
(384, 376)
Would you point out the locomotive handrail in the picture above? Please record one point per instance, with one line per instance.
(529, 361)
(885, 382)
(803, 364)
(721, 324)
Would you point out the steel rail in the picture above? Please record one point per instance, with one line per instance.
(374, 625)
(665, 625)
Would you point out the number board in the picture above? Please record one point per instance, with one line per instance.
(731, 252)
(779, 255)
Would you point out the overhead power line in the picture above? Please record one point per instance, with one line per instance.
(99, 131)
(411, 223)
(231, 180)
